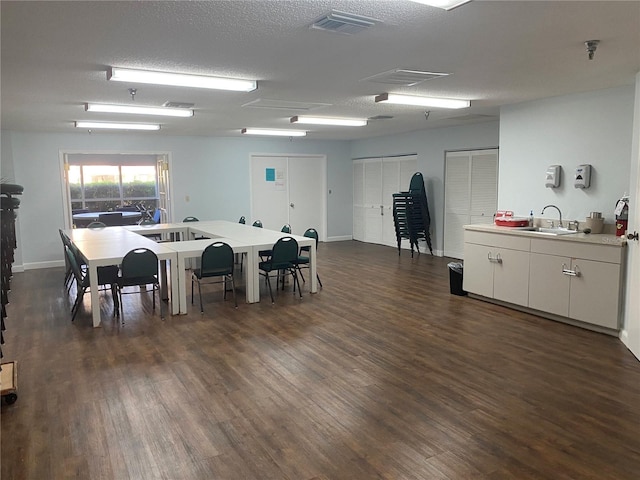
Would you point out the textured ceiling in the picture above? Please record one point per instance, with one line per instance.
(55, 55)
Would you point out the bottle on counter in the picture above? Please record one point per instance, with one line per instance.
(531, 218)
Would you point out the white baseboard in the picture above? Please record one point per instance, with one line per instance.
(339, 239)
(38, 265)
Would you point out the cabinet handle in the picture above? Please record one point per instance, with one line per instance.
(496, 259)
(571, 273)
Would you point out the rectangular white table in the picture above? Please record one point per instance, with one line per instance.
(109, 248)
(259, 239)
(193, 249)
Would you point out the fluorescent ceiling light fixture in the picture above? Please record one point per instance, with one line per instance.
(342, 122)
(445, 4)
(180, 79)
(164, 111)
(275, 133)
(422, 101)
(118, 126)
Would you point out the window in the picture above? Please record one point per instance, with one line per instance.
(103, 182)
(101, 188)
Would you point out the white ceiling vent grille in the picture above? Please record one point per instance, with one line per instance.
(172, 104)
(342, 22)
(285, 105)
(401, 76)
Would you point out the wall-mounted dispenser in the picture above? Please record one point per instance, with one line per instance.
(552, 176)
(582, 178)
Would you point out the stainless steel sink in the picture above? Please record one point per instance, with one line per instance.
(551, 230)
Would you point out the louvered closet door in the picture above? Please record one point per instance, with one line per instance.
(484, 186)
(471, 194)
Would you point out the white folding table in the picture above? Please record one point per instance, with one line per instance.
(109, 248)
(193, 249)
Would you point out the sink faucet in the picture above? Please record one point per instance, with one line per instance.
(559, 213)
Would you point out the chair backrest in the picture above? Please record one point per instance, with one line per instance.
(96, 225)
(157, 215)
(217, 259)
(65, 239)
(284, 252)
(242, 220)
(310, 233)
(286, 228)
(111, 218)
(140, 262)
(190, 219)
(257, 223)
(75, 266)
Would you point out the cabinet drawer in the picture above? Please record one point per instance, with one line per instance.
(498, 240)
(564, 248)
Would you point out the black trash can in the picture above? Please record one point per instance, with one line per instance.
(455, 278)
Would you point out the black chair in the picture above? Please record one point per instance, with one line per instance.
(216, 262)
(111, 219)
(303, 260)
(264, 254)
(106, 276)
(140, 268)
(194, 219)
(282, 260)
(257, 223)
(242, 220)
(68, 273)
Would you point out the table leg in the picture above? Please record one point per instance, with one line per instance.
(182, 285)
(253, 276)
(312, 269)
(176, 276)
(163, 280)
(95, 298)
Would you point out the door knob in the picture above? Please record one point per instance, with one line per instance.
(632, 236)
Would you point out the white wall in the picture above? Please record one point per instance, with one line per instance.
(213, 172)
(430, 145)
(593, 128)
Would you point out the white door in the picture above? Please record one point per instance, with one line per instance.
(375, 180)
(289, 189)
(306, 193)
(470, 194)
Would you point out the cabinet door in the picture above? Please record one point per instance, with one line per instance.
(478, 270)
(511, 277)
(548, 286)
(595, 292)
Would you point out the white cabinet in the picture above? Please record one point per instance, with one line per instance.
(578, 281)
(575, 280)
(497, 266)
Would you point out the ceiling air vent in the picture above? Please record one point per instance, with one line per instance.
(342, 22)
(284, 105)
(402, 76)
(178, 104)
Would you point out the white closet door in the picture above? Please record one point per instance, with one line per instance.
(484, 187)
(390, 185)
(358, 200)
(471, 194)
(373, 200)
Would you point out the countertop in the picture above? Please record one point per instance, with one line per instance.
(592, 238)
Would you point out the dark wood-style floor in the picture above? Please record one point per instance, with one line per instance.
(382, 375)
